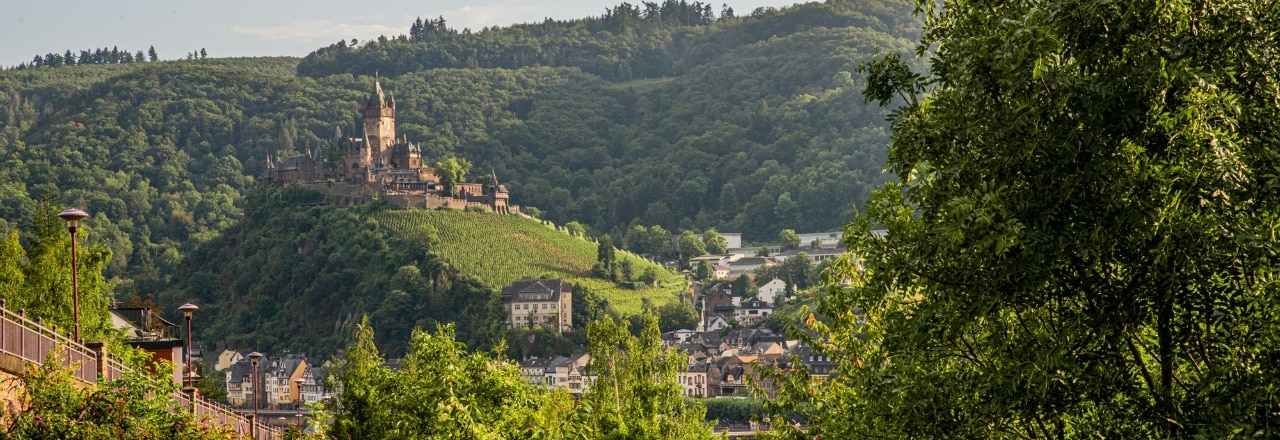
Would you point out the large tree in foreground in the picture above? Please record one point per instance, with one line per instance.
(1082, 238)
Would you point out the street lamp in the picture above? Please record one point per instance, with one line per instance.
(73, 217)
(253, 357)
(299, 381)
(187, 309)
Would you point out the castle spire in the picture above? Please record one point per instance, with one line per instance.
(377, 99)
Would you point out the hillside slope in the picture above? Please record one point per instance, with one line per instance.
(292, 275)
(495, 250)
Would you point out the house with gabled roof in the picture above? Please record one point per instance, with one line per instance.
(716, 323)
(541, 302)
(719, 302)
(770, 292)
(226, 359)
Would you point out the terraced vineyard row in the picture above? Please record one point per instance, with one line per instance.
(499, 249)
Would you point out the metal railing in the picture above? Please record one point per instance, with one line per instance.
(31, 341)
(209, 412)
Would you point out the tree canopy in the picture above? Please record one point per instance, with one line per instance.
(1081, 238)
(789, 239)
(716, 243)
(451, 172)
(691, 245)
(441, 390)
(36, 277)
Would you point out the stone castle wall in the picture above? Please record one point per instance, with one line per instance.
(342, 194)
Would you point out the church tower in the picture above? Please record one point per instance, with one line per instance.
(379, 126)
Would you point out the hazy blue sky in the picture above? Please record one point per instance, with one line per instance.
(254, 28)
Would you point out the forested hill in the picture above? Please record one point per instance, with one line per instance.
(758, 125)
(748, 123)
(649, 40)
(289, 276)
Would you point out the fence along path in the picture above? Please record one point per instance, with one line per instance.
(31, 341)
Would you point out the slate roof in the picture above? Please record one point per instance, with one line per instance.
(523, 288)
(240, 371)
(536, 363)
(558, 362)
(750, 261)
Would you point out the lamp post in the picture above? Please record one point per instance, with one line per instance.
(188, 309)
(299, 381)
(253, 358)
(73, 217)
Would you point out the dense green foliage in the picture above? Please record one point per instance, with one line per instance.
(734, 410)
(442, 391)
(495, 250)
(35, 275)
(135, 406)
(154, 152)
(1082, 241)
(637, 394)
(298, 277)
(439, 391)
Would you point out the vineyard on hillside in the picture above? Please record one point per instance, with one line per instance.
(498, 249)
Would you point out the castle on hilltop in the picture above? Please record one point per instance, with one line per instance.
(380, 166)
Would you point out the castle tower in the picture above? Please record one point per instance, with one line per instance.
(379, 126)
(499, 199)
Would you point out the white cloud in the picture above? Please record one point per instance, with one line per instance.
(317, 31)
(478, 17)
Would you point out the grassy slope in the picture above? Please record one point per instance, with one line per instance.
(498, 249)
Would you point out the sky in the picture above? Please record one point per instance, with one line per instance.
(236, 28)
